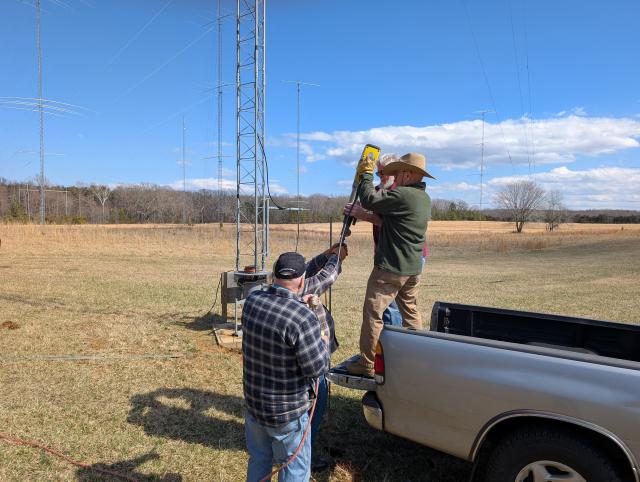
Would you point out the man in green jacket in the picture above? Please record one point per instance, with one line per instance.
(405, 211)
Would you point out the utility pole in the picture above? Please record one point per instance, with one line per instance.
(220, 196)
(40, 108)
(219, 86)
(28, 204)
(482, 163)
(298, 84)
(298, 151)
(184, 175)
(482, 113)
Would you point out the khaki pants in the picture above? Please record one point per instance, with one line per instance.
(383, 286)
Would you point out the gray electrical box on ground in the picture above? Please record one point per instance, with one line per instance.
(236, 286)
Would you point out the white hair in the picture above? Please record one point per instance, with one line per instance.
(383, 161)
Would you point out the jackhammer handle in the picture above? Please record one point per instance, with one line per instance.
(349, 220)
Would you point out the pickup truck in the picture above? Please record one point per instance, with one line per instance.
(526, 397)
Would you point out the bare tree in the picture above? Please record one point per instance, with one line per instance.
(102, 194)
(520, 199)
(556, 211)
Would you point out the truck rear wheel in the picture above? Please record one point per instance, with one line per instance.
(549, 454)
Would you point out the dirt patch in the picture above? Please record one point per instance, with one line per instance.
(206, 345)
(9, 325)
(230, 351)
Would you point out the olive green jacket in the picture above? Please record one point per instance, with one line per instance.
(405, 212)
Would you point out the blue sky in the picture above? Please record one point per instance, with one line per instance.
(563, 80)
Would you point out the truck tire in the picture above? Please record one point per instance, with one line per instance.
(538, 455)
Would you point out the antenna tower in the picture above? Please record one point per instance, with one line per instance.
(40, 108)
(252, 216)
(298, 207)
(252, 209)
(220, 195)
(184, 173)
(482, 113)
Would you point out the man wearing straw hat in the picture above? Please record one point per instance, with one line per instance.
(405, 211)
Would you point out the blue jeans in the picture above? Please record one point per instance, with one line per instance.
(274, 445)
(321, 406)
(392, 315)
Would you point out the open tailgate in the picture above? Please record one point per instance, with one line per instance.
(340, 376)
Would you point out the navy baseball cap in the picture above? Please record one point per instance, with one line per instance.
(289, 266)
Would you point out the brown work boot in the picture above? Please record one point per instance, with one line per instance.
(360, 366)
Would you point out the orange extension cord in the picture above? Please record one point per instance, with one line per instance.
(304, 436)
(28, 443)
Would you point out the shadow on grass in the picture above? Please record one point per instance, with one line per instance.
(127, 469)
(357, 451)
(199, 323)
(205, 322)
(190, 415)
(361, 453)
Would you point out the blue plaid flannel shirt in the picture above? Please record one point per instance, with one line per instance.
(282, 353)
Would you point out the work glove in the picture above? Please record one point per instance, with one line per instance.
(366, 165)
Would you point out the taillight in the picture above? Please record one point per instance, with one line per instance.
(378, 364)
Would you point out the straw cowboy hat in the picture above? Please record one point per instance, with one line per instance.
(413, 162)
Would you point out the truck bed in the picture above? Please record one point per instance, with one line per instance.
(536, 330)
(604, 338)
(480, 367)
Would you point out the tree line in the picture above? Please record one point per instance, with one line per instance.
(148, 203)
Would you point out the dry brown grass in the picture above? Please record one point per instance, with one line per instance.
(118, 291)
(153, 239)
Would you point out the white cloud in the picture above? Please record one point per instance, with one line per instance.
(453, 187)
(601, 187)
(318, 136)
(195, 184)
(309, 154)
(556, 140)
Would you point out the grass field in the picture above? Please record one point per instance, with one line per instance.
(129, 295)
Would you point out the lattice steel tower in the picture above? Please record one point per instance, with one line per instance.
(251, 215)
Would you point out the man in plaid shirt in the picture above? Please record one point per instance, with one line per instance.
(322, 272)
(283, 352)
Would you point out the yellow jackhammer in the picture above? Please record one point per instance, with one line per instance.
(371, 152)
